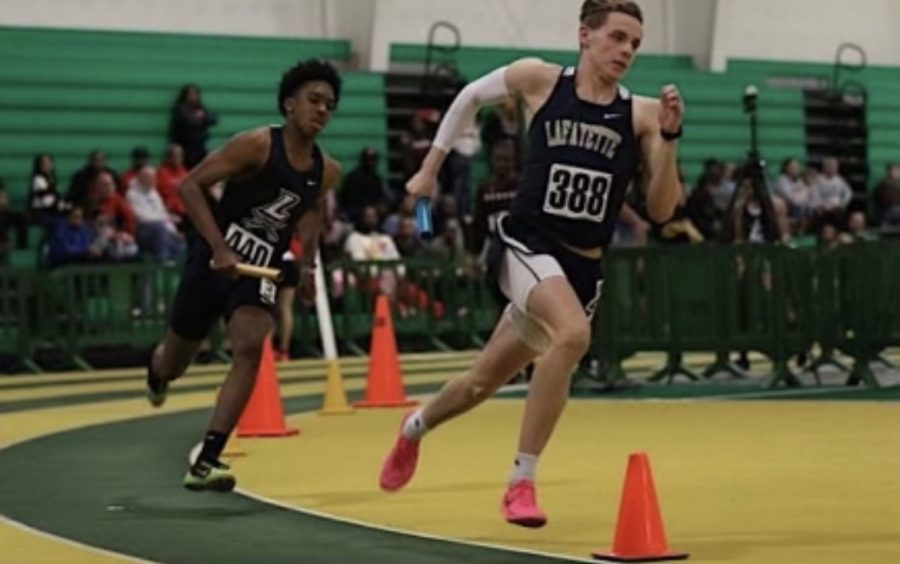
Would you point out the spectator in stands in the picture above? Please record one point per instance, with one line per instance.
(189, 124)
(504, 122)
(791, 187)
(458, 167)
(833, 194)
(445, 211)
(450, 245)
(9, 220)
(829, 235)
(105, 202)
(717, 179)
(416, 142)
(168, 178)
(887, 197)
(140, 157)
(679, 229)
(367, 243)
(407, 239)
(72, 240)
(391, 224)
(80, 186)
(364, 187)
(857, 229)
(157, 232)
(494, 195)
(44, 200)
(703, 213)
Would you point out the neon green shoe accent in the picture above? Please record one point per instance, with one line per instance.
(207, 476)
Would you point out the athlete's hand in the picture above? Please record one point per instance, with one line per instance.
(225, 261)
(671, 109)
(422, 184)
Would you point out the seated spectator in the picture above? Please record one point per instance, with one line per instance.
(45, 203)
(140, 157)
(703, 213)
(112, 244)
(106, 202)
(367, 244)
(157, 233)
(10, 220)
(717, 180)
(72, 240)
(494, 195)
(190, 123)
(391, 224)
(450, 245)
(795, 192)
(169, 177)
(833, 194)
(887, 197)
(364, 187)
(857, 229)
(504, 123)
(80, 186)
(407, 239)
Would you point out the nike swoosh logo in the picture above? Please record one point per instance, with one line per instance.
(611, 116)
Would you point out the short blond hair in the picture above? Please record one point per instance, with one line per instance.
(594, 13)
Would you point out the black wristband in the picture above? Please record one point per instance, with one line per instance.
(672, 136)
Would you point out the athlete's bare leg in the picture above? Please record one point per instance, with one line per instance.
(504, 355)
(285, 318)
(553, 302)
(248, 328)
(172, 357)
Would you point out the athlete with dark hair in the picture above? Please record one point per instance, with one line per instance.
(276, 181)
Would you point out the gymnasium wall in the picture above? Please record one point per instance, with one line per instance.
(805, 30)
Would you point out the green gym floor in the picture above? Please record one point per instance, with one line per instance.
(89, 473)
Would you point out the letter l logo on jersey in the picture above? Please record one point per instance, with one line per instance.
(272, 217)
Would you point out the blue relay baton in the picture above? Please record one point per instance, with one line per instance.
(423, 218)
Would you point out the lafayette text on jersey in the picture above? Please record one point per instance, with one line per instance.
(581, 159)
(258, 215)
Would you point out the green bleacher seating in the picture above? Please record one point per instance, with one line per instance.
(67, 92)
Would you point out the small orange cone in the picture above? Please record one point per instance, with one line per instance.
(335, 402)
(384, 385)
(264, 414)
(640, 535)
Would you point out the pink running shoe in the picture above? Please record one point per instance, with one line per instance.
(400, 465)
(520, 506)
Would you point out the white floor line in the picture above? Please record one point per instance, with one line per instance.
(404, 532)
(64, 540)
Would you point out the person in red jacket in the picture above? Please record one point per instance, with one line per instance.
(168, 178)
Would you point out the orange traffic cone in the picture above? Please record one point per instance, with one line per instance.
(640, 535)
(384, 386)
(264, 414)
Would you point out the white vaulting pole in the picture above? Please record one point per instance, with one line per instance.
(323, 312)
(335, 402)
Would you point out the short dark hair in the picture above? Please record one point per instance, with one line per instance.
(594, 13)
(308, 71)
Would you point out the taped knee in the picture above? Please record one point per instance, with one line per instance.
(530, 330)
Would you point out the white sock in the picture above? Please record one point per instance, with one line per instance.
(524, 467)
(414, 428)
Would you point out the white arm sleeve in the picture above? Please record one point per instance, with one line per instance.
(488, 89)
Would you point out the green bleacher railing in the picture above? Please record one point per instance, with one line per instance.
(672, 300)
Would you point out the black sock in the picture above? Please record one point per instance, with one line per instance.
(213, 445)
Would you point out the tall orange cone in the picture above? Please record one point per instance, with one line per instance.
(264, 414)
(335, 402)
(384, 385)
(640, 535)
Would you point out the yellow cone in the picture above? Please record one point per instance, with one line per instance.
(233, 447)
(335, 397)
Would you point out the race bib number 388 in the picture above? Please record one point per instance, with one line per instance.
(577, 193)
